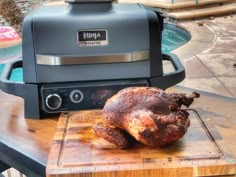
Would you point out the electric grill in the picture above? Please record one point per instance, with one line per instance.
(77, 56)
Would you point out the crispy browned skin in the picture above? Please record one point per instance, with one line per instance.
(114, 135)
(152, 116)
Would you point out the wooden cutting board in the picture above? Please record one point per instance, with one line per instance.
(77, 151)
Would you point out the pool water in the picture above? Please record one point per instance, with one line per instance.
(17, 74)
(10, 54)
(172, 38)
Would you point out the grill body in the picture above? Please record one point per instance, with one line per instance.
(77, 56)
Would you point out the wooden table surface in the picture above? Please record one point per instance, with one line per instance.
(25, 143)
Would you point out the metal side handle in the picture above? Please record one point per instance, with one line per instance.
(171, 78)
(28, 91)
(176, 76)
(12, 87)
(176, 63)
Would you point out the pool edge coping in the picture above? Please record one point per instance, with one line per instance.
(195, 40)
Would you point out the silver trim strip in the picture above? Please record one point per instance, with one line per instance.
(71, 60)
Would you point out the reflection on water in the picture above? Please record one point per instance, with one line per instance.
(10, 54)
(173, 37)
(1, 68)
(17, 74)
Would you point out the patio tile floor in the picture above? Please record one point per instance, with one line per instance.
(210, 57)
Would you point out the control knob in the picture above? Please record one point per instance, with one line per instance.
(76, 96)
(53, 101)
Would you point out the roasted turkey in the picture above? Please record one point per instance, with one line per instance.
(149, 115)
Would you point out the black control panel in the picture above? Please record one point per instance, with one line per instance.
(80, 96)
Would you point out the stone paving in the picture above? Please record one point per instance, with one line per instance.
(210, 57)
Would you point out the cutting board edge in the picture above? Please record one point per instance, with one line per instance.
(193, 171)
(229, 169)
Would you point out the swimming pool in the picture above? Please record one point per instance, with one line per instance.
(172, 38)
